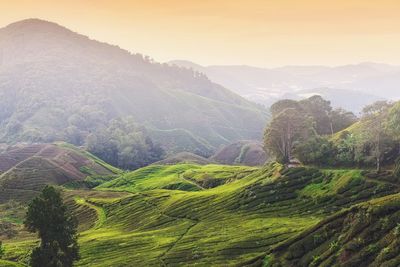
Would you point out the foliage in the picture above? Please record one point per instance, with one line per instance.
(1, 249)
(396, 170)
(183, 176)
(374, 136)
(248, 213)
(372, 141)
(286, 128)
(78, 85)
(57, 229)
(294, 122)
(341, 119)
(364, 235)
(316, 150)
(124, 144)
(393, 121)
(320, 110)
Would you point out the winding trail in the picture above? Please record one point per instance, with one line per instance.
(101, 214)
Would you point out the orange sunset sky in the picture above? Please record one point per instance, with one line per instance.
(254, 32)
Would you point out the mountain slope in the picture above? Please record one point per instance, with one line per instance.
(25, 169)
(364, 235)
(227, 225)
(249, 153)
(73, 85)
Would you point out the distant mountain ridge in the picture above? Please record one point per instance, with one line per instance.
(53, 80)
(371, 81)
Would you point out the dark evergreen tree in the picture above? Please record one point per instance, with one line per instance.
(1, 250)
(57, 229)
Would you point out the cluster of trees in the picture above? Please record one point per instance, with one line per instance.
(124, 144)
(314, 133)
(295, 122)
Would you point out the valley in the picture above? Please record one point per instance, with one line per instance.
(109, 158)
(220, 215)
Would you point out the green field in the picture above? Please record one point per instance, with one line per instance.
(165, 215)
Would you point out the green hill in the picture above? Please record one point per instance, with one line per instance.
(235, 222)
(185, 157)
(364, 235)
(250, 153)
(9, 264)
(74, 86)
(25, 169)
(185, 177)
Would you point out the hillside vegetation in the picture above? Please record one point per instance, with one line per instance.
(250, 153)
(364, 235)
(74, 86)
(185, 157)
(26, 169)
(235, 221)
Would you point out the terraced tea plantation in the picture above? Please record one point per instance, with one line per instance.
(215, 215)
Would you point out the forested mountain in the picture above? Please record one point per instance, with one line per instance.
(188, 210)
(369, 81)
(58, 85)
(135, 180)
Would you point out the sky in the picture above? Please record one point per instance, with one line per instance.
(264, 33)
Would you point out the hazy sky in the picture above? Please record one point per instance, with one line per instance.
(252, 32)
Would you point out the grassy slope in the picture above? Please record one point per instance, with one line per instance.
(56, 164)
(367, 234)
(187, 177)
(4, 263)
(184, 157)
(222, 226)
(90, 156)
(250, 153)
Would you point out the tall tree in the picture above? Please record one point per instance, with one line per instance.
(1, 250)
(285, 129)
(282, 105)
(393, 123)
(320, 109)
(374, 117)
(56, 227)
(341, 119)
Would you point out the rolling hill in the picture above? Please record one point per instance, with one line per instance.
(364, 235)
(185, 157)
(73, 85)
(26, 169)
(239, 221)
(250, 153)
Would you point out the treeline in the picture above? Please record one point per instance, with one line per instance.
(314, 133)
(124, 144)
(119, 141)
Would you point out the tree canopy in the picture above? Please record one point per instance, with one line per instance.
(124, 144)
(316, 134)
(48, 216)
(295, 122)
